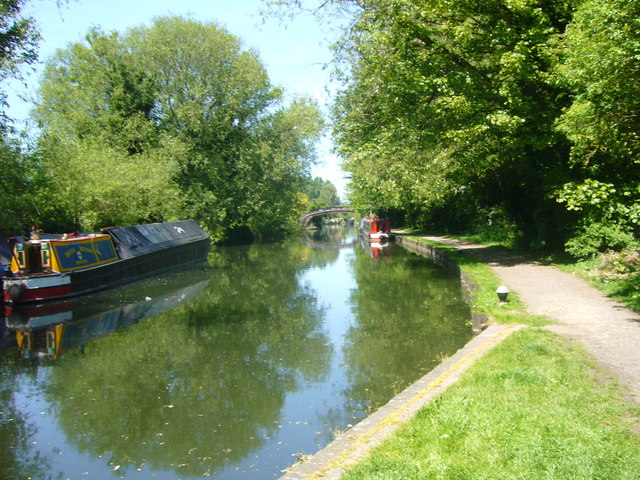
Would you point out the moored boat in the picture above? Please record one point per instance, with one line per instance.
(376, 230)
(52, 267)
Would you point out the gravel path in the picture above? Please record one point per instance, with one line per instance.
(608, 331)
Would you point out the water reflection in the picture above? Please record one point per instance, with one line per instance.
(266, 356)
(52, 329)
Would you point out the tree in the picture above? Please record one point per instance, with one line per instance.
(18, 47)
(106, 161)
(468, 114)
(182, 101)
(322, 194)
(19, 39)
(451, 108)
(18, 180)
(600, 65)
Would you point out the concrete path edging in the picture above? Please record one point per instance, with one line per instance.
(352, 446)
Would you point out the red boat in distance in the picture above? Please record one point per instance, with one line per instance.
(376, 230)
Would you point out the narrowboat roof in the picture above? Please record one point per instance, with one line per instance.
(138, 239)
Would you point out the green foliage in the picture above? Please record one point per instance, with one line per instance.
(19, 39)
(608, 216)
(596, 237)
(171, 121)
(100, 185)
(321, 193)
(600, 63)
(17, 183)
(528, 108)
(19, 173)
(452, 105)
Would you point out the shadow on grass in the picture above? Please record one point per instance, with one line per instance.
(624, 290)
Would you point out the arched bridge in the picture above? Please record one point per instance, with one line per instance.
(306, 218)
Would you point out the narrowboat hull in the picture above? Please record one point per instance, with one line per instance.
(41, 287)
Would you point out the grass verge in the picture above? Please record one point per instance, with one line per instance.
(532, 408)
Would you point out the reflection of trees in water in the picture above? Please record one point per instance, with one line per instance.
(201, 386)
(409, 314)
(331, 238)
(321, 248)
(19, 457)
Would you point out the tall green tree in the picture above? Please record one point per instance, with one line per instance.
(450, 107)
(183, 108)
(106, 161)
(19, 39)
(487, 113)
(600, 65)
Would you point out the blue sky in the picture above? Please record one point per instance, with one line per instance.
(294, 53)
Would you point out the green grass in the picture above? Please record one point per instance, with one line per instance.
(530, 409)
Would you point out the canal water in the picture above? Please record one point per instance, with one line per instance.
(231, 370)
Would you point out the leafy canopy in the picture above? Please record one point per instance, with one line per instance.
(172, 120)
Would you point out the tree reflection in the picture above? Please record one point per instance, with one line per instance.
(199, 387)
(410, 314)
(19, 457)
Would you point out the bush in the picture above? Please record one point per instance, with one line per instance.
(619, 264)
(599, 237)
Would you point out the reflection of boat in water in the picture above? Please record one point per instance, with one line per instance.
(52, 267)
(376, 230)
(7, 338)
(376, 249)
(51, 329)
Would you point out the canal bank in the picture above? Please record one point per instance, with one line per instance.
(353, 445)
(581, 314)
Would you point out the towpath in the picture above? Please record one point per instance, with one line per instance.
(607, 330)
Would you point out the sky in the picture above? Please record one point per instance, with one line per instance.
(294, 53)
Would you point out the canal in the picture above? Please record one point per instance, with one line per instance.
(232, 370)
